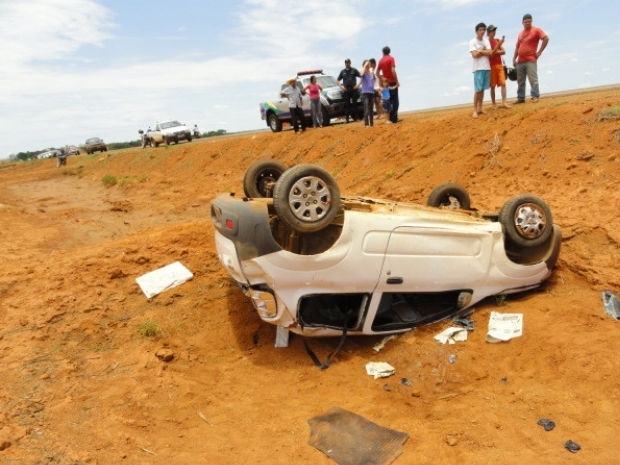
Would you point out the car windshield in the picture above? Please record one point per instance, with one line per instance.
(93, 140)
(325, 81)
(170, 124)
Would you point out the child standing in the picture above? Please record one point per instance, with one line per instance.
(385, 96)
(314, 91)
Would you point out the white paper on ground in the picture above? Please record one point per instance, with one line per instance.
(162, 279)
(504, 326)
(379, 369)
(452, 335)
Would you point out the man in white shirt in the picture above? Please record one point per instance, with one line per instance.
(480, 50)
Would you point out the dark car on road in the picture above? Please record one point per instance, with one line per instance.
(95, 144)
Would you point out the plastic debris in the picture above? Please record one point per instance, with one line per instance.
(546, 423)
(381, 345)
(504, 326)
(452, 359)
(464, 322)
(380, 369)
(572, 446)
(611, 304)
(452, 335)
(164, 278)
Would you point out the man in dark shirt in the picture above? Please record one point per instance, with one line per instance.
(349, 76)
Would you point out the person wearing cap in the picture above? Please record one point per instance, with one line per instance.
(498, 76)
(294, 95)
(349, 76)
(480, 50)
(531, 42)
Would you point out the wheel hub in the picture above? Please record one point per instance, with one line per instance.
(309, 199)
(530, 221)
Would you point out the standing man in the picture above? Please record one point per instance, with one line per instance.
(498, 77)
(526, 56)
(480, 50)
(293, 94)
(349, 76)
(387, 69)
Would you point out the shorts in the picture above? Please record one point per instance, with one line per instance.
(482, 80)
(498, 76)
(386, 104)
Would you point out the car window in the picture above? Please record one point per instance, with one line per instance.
(170, 124)
(326, 81)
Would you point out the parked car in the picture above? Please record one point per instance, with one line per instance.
(95, 144)
(168, 132)
(48, 154)
(73, 150)
(319, 264)
(276, 112)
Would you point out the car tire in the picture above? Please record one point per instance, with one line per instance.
(306, 198)
(189, 139)
(260, 178)
(526, 220)
(274, 122)
(449, 195)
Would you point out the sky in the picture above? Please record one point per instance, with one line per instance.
(74, 69)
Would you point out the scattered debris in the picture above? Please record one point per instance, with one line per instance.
(611, 304)
(464, 322)
(387, 388)
(452, 335)
(164, 278)
(379, 369)
(452, 358)
(350, 439)
(546, 423)
(405, 382)
(381, 345)
(504, 326)
(572, 446)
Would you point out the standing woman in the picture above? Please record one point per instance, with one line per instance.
(368, 92)
(314, 91)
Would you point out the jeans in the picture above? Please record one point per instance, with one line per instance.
(297, 116)
(369, 100)
(527, 69)
(350, 98)
(394, 103)
(317, 117)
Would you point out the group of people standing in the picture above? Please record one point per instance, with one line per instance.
(489, 68)
(378, 84)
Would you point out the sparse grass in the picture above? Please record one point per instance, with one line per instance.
(609, 113)
(108, 180)
(126, 180)
(149, 329)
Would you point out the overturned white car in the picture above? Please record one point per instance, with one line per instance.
(321, 265)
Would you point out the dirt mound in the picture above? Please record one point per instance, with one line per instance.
(85, 376)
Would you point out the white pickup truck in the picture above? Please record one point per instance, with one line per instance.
(169, 131)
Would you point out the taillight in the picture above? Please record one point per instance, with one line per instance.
(230, 224)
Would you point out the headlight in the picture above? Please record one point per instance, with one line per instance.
(264, 302)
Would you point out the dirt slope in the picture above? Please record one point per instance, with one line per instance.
(82, 385)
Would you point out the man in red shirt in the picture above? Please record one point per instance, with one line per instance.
(387, 69)
(526, 57)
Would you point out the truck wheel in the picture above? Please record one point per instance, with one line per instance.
(306, 198)
(274, 122)
(260, 178)
(449, 195)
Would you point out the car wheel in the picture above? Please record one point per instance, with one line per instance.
(189, 139)
(526, 220)
(449, 195)
(306, 198)
(274, 123)
(260, 178)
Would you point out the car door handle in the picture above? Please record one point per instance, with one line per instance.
(395, 280)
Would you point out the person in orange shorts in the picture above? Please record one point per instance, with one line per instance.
(498, 76)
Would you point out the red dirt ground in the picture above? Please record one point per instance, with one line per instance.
(82, 385)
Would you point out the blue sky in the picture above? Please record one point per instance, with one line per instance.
(73, 69)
